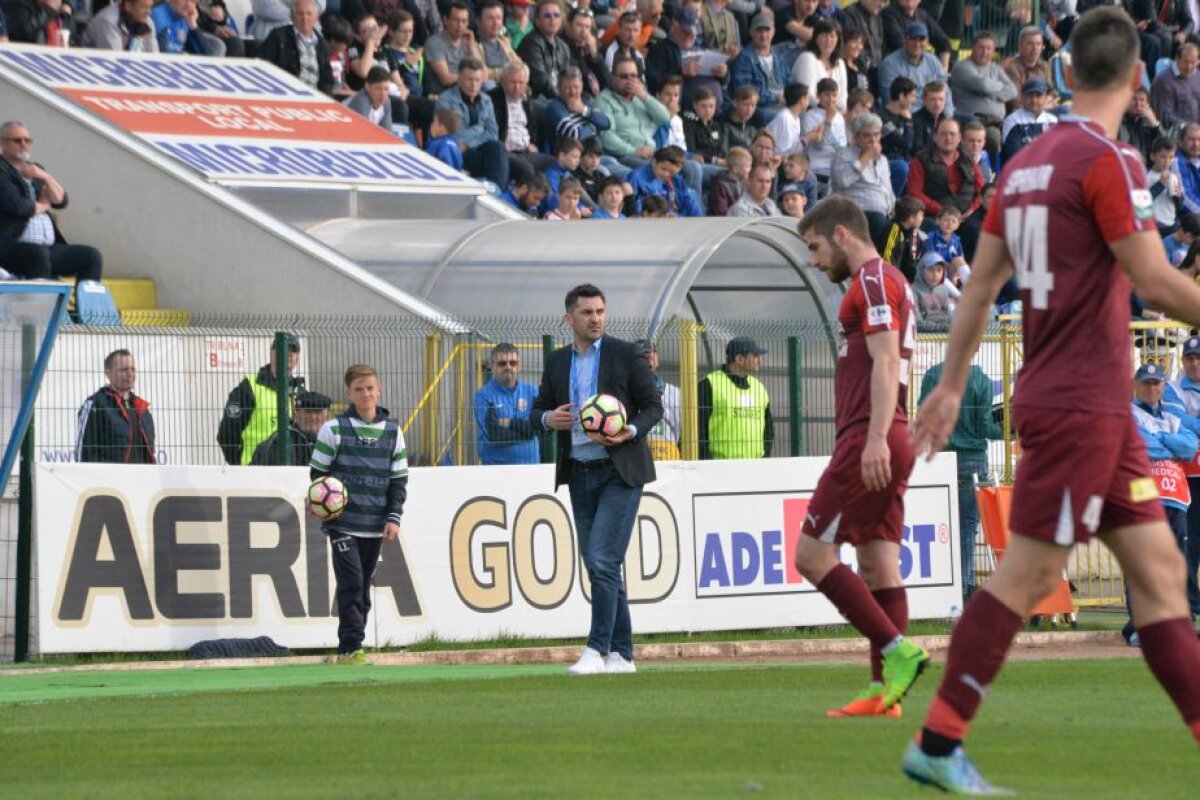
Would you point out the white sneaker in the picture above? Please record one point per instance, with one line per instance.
(616, 665)
(590, 663)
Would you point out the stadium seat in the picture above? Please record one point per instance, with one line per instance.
(136, 301)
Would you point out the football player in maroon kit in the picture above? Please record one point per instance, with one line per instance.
(860, 497)
(1072, 218)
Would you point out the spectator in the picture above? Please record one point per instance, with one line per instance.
(1187, 164)
(969, 442)
(442, 143)
(372, 101)
(824, 130)
(982, 88)
(912, 62)
(974, 142)
(31, 245)
(822, 58)
(610, 198)
(787, 128)
(860, 172)
(527, 194)
(857, 72)
(494, 46)
(339, 38)
(1183, 398)
(930, 114)
(635, 116)
(759, 66)
(649, 14)
(544, 51)
(756, 200)
(944, 241)
(312, 411)
(795, 23)
(719, 28)
(1167, 191)
(797, 172)
(515, 121)
(36, 21)
(250, 410)
(898, 130)
(272, 14)
(1175, 92)
(905, 241)
(408, 61)
(662, 177)
(568, 154)
(663, 438)
(738, 120)
(479, 137)
(1178, 244)
(670, 56)
(734, 407)
(215, 21)
(898, 20)
(654, 207)
(1028, 122)
(629, 27)
(299, 49)
(445, 51)
(941, 174)
(115, 425)
(589, 172)
(864, 17)
(571, 115)
(1140, 127)
(177, 25)
(516, 21)
(792, 200)
(1170, 446)
(935, 294)
(705, 136)
(727, 187)
(124, 25)
(1028, 62)
(370, 52)
(502, 409)
(585, 54)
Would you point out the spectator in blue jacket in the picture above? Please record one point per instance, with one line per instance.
(441, 144)
(758, 65)
(1182, 398)
(177, 23)
(661, 178)
(502, 407)
(1188, 164)
(479, 137)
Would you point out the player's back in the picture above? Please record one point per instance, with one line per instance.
(1059, 203)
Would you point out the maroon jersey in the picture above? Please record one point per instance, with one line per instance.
(877, 299)
(1060, 201)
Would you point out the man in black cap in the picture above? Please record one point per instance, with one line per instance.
(251, 412)
(734, 407)
(1028, 122)
(312, 411)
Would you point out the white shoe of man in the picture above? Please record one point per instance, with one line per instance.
(590, 663)
(616, 665)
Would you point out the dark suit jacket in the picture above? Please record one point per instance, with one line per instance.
(15, 206)
(500, 106)
(625, 374)
(281, 49)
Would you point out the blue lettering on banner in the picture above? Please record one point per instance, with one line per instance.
(920, 537)
(305, 162)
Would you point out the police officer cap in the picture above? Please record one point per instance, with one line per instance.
(1150, 372)
(743, 346)
(313, 401)
(1192, 346)
(646, 346)
(293, 342)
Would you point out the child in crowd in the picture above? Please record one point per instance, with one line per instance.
(672, 132)
(905, 241)
(568, 153)
(610, 198)
(786, 127)
(339, 36)
(569, 195)
(442, 144)
(706, 141)
(727, 187)
(654, 206)
(527, 193)
(935, 294)
(364, 449)
(792, 200)
(858, 101)
(1165, 186)
(1178, 243)
(796, 171)
(824, 131)
(589, 173)
(945, 242)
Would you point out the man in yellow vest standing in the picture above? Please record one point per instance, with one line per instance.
(252, 411)
(734, 407)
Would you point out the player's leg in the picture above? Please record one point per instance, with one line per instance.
(347, 572)
(1156, 573)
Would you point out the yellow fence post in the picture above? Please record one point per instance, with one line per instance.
(689, 379)
(429, 420)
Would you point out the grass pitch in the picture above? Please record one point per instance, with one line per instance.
(1080, 729)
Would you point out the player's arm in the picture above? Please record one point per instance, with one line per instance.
(939, 413)
(884, 348)
(1154, 279)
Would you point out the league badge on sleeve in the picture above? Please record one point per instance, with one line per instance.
(1142, 203)
(879, 315)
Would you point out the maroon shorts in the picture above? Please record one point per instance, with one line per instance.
(1080, 473)
(842, 509)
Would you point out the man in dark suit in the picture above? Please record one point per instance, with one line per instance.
(606, 474)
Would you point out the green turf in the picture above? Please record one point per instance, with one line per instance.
(1093, 729)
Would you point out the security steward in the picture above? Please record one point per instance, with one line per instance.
(734, 407)
(252, 410)
(312, 411)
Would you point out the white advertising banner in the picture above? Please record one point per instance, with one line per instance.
(140, 558)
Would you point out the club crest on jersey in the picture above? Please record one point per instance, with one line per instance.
(1142, 202)
(879, 315)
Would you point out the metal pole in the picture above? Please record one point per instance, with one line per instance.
(283, 398)
(795, 394)
(430, 421)
(689, 380)
(25, 509)
(550, 441)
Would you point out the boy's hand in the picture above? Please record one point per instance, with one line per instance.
(391, 532)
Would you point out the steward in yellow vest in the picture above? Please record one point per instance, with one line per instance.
(734, 407)
(252, 410)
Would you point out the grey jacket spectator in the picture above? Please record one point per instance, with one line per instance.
(924, 69)
(1175, 92)
(870, 185)
(360, 103)
(546, 58)
(981, 91)
(114, 26)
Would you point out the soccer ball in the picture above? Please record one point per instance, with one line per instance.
(327, 498)
(602, 414)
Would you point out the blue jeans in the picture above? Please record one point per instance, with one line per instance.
(970, 466)
(605, 508)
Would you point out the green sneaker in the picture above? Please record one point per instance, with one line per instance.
(356, 659)
(953, 773)
(901, 668)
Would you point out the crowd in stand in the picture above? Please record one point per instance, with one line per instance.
(604, 109)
